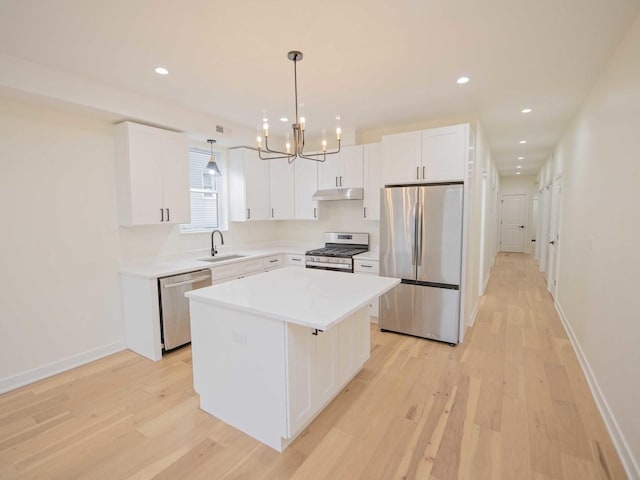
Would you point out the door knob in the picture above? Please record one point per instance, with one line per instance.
(521, 226)
(552, 242)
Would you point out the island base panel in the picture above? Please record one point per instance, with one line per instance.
(244, 369)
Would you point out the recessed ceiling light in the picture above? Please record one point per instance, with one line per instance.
(462, 80)
(526, 110)
(284, 119)
(523, 141)
(517, 173)
(520, 158)
(161, 71)
(518, 166)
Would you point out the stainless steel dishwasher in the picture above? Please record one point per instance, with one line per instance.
(174, 306)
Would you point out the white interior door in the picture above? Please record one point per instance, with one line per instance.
(544, 229)
(554, 237)
(535, 227)
(513, 224)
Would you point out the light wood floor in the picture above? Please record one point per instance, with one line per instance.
(509, 403)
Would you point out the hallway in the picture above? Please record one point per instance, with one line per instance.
(549, 421)
(509, 403)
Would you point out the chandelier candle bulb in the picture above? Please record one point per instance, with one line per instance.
(265, 127)
(302, 123)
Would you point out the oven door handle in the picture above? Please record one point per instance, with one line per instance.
(331, 266)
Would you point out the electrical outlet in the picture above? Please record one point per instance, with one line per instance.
(240, 338)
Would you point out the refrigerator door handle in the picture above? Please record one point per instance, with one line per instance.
(414, 253)
(419, 236)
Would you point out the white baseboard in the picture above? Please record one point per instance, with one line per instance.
(486, 282)
(474, 314)
(622, 447)
(11, 383)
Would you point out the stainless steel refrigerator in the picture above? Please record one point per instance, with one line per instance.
(421, 243)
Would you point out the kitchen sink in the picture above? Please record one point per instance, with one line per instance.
(221, 259)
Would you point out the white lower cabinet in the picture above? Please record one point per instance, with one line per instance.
(319, 365)
(246, 268)
(369, 267)
(295, 259)
(273, 262)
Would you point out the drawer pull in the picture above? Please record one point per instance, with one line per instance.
(273, 261)
(366, 266)
(296, 259)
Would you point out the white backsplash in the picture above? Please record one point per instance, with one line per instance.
(335, 216)
(341, 215)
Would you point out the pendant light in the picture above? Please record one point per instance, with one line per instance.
(212, 166)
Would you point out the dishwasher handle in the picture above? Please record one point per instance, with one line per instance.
(187, 282)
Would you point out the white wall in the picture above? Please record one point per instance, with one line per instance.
(61, 245)
(334, 216)
(59, 293)
(599, 265)
(489, 231)
(522, 184)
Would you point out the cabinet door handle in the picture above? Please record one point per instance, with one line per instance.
(315, 212)
(418, 173)
(167, 214)
(336, 181)
(423, 174)
(365, 212)
(162, 214)
(248, 213)
(272, 215)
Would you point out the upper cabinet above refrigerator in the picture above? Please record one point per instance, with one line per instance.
(427, 156)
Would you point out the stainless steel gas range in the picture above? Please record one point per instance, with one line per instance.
(338, 251)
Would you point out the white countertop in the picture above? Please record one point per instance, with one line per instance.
(370, 255)
(309, 297)
(156, 267)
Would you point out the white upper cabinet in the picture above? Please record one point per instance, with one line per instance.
(249, 197)
(282, 180)
(434, 155)
(444, 151)
(152, 175)
(373, 181)
(306, 184)
(342, 170)
(402, 157)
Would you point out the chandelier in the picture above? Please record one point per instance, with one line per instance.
(298, 130)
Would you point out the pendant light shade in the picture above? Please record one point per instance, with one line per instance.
(212, 165)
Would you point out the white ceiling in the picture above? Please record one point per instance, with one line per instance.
(377, 63)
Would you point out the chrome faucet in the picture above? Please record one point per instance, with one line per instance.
(214, 250)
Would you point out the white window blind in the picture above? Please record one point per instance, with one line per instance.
(205, 193)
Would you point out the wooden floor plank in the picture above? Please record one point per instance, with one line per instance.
(511, 402)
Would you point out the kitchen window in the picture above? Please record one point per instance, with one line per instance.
(206, 191)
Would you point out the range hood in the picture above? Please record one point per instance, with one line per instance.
(339, 194)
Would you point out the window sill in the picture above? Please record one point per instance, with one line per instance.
(203, 230)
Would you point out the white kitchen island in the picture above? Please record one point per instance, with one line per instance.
(272, 350)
